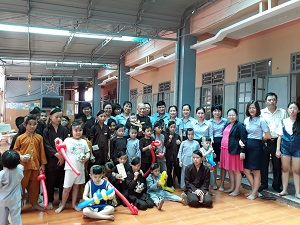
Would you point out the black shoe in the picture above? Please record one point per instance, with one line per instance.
(277, 189)
(262, 187)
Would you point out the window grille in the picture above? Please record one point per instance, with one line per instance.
(147, 90)
(213, 77)
(165, 86)
(258, 68)
(295, 62)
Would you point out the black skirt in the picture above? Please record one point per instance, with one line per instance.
(253, 154)
(217, 148)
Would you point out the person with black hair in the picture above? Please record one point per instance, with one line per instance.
(145, 147)
(30, 146)
(21, 130)
(137, 186)
(273, 116)
(116, 109)
(107, 107)
(196, 180)
(125, 112)
(117, 178)
(133, 146)
(78, 153)
(86, 108)
(155, 188)
(101, 210)
(186, 151)
(118, 143)
(172, 144)
(36, 111)
(55, 172)
(160, 151)
(111, 123)
(100, 138)
(10, 188)
(161, 112)
(288, 147)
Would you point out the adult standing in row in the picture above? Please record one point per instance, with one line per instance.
(218, 124)
(142, 118)
(107, 107)
(161, 113)
(147, 109)
(173, 110)
(122, 118)
(186, 120)
(232, 153)
(288, 147)
(273, 116)
(201, 126)
(86, 108)
(258, 131)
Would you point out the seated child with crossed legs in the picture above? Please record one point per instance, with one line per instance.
(102, 210)
(155, 188)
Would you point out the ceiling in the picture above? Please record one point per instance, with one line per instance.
(50, 54)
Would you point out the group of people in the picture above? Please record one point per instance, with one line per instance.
(119, 145)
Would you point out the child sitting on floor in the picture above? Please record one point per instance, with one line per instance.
(157, 193)
(102, 210)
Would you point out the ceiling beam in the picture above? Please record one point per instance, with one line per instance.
(28, 34)
(142, 7)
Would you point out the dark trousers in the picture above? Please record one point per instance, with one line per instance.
(270, 149)
(142, 202)
(55, 178)
(145, 166)
(193, 200)
(177, 172)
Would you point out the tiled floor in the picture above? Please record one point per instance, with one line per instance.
(226, 210)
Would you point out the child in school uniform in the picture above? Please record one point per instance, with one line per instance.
(172, 144)
(100, 138)
(145, 147)
(186, 152)
(137, 186)
(10, 188)
(132, 147)
(102, 210)
(160, 150)
(55, 172)
(206, 150)
(78, 152)
(30, 146)
(118, 143)
(155, 190)
(117, 178)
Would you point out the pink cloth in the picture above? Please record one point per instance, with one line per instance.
(228, 161)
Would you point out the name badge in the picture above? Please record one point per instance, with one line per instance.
(95, 147)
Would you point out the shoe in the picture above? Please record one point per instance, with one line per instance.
(215, 187)
(160, 204)
(262, 187)
(184, 198)
(277, 189)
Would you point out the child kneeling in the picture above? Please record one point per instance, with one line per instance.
(102, 210)
(155, 189)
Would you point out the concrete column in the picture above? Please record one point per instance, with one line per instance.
(123, 82)
(96, 95)
(185, 69)
(81, 91)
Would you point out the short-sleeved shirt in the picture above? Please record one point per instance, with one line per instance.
(202, 130)
(10, 186)
(155, 117)
(177, 121)
(288, 124)
(256, 127)
(273, 119)
(186, 124)
(218, 127)
(75, 150)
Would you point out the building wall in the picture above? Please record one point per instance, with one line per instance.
(277, 43)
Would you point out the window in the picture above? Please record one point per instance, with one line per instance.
(253, 69)
(212, 90)
(295, 62)
(133, 98)
(147, 94)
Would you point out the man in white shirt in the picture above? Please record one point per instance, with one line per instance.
(273, 115)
